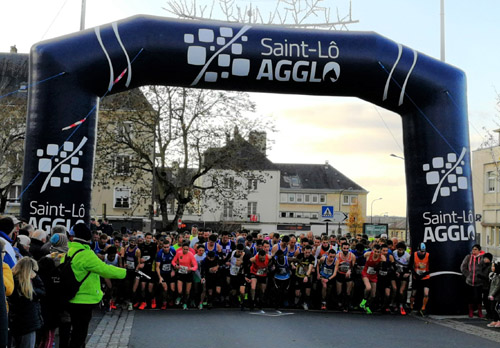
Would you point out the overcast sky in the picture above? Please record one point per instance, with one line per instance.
(355, 137)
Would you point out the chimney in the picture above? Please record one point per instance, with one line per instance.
(258, 140)
(13, 49)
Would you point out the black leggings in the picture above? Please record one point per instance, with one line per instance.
(80, 314)
(475, 294)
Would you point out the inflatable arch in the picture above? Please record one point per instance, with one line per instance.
(429, 95)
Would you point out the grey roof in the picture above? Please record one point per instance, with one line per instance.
(314, 176)
(238, 154)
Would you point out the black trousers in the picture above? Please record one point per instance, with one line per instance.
(80, 319)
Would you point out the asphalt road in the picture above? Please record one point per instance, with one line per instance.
(235, 329)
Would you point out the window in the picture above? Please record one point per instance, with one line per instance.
(314, 198)
(229, 183)
(307, 198)
(252, 208)
(291, 214)
(13, 194)
(291, 197)
(322, 198)
(349, 199)
(228, 209)
(122, 165)
(295, 182)
(283, 197)
(307, 215)
(124, 130)
(122, 197)
(314, 215)
(299, 215)
(283, 214)
(252, 184)
(490, 179)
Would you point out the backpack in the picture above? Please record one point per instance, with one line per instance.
(65, 279)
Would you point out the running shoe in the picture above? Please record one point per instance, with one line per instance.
(402, 310)
(130, 306)
(153, 303)
(142, 306)
(422, 312)
(185, 306)
(323, 306)
(137, 304)
(362, 305)
(305, 306)
(200, 306)
(177, 301)
(368, 310)
(492, 324)
(164, 305)
(112, 304)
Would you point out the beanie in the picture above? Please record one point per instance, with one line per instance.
(82, 233)
(6, 225)
(59, 240)
(488, 256)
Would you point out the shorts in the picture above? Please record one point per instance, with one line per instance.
(384, 282)
(237, 281)
(420, 284)
(341, 278)
(185, 278)
(402, 278)
(168, 278)
(260, 279)
(299, 283)
(372, 278)
(212, 281)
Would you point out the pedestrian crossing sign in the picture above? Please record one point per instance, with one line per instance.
(327, 211)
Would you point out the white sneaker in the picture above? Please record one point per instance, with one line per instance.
(305, 306)
(130, 307)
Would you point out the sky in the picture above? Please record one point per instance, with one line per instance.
(354, 136)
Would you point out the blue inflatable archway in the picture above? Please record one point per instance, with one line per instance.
(429, 95)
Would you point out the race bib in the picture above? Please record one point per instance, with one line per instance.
(234, 270)
(419, 272)
(399, 268)
(371, 270)
(261, 271)
(183, 270)
(344, 268)
(146, 258)
(382, 273)
(328, 271)
(130, 264)
(301, 271)
(167, 267)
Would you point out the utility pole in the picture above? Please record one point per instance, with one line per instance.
(82, 18)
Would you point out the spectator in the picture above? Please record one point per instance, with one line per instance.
(6, 230)
(470, 269)
(25, 315)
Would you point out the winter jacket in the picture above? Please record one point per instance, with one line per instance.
(36, 249)
(470, 268)
(8, 281)
(25, 315)
(484, 275)
(87, 261)
(495, 288)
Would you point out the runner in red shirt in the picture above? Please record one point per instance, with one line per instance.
(258, 275)
(369, 276)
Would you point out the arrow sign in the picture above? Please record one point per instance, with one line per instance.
(339, 216)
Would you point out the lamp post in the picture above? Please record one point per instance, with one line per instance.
(339, 230)
(371, 209)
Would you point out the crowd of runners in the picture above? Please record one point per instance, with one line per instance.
(201, 269)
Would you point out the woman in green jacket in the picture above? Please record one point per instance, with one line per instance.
(89, 294)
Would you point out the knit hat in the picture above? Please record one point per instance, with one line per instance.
(59, 240)
(23, 240)
(488, 256)
(6, 225)
(82, 233)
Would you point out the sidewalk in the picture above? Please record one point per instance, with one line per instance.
(112, 331)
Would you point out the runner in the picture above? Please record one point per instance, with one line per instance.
(402, 264)
(326, 269)
(209, 276)
(258, 275)
(294, 249)
(419, 264)
(304, 267)
(198, 285)
(238, 269)
(185, 264)
(281, 278)
(369, 276)
(166, 273)
(344, 265)
(386, 281)
(282, 245)
(148, 257)
(132, 257)
(112, 285)
(324, 247)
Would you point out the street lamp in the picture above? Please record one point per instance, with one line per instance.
(371, 215)
(407, 235)
(339, 230)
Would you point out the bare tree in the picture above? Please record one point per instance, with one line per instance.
(311, 14)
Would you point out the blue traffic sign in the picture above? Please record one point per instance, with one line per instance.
(327, 211)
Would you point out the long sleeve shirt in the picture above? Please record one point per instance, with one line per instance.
(185, 260)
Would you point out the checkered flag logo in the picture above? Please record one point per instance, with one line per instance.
(446, 174)
(223, 48)
(61, 163)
